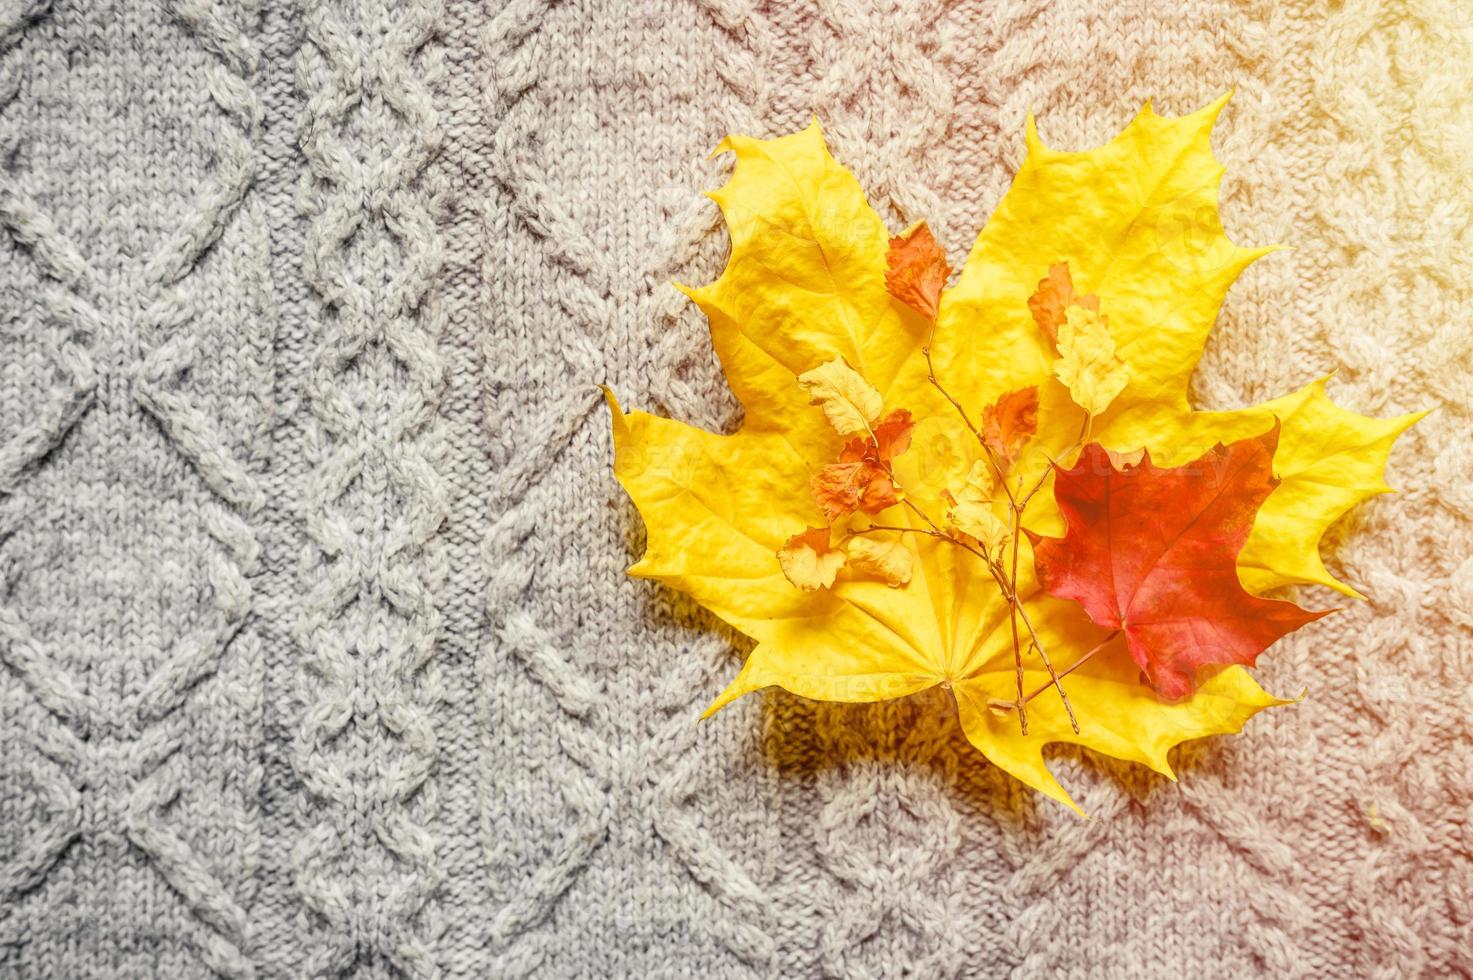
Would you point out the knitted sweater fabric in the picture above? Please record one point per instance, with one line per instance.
(317, 658)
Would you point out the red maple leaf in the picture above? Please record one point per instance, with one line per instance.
(1152, 552)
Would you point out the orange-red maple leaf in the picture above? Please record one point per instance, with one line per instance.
(861, 479)
(1049, 304)
(1152, 552)
(916, 270)
(1010, 421)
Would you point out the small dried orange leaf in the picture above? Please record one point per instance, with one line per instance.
(916, 270)
(1008, 423)
(1054, 296)
(861, 480)
(808, 561)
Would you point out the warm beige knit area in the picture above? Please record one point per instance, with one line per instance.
(317, 658)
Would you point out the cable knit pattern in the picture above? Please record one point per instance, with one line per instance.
(133, 737)
(370, 619)
(317, 658)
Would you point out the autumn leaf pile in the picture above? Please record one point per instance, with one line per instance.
(998, 487)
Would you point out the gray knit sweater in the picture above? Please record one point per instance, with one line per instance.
(317, 658)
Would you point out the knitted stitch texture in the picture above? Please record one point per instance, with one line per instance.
(317, 658)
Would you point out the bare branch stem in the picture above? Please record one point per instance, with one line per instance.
(1013, 617)
(931, 376)
(1008, 705)
(1012, 598)
(1007, 579)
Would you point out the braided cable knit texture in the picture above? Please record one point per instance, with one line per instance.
(317, 658)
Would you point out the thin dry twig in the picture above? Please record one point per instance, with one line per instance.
(1012, 598)
(1006, 578)
(1012, 502)
(931, 376)
(1002, 705)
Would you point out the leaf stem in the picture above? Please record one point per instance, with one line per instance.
(1047, 470)
(1012, 503)
(1014, 605)
(931, 376)
(1002, 705)
(1013, 619)
(1009, 594)
(925, 517)
(1012, 597)
(1006, 578)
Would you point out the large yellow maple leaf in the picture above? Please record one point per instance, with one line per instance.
(1137, 222)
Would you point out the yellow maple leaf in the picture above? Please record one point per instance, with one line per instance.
(1328, 460)
(1136, 223)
